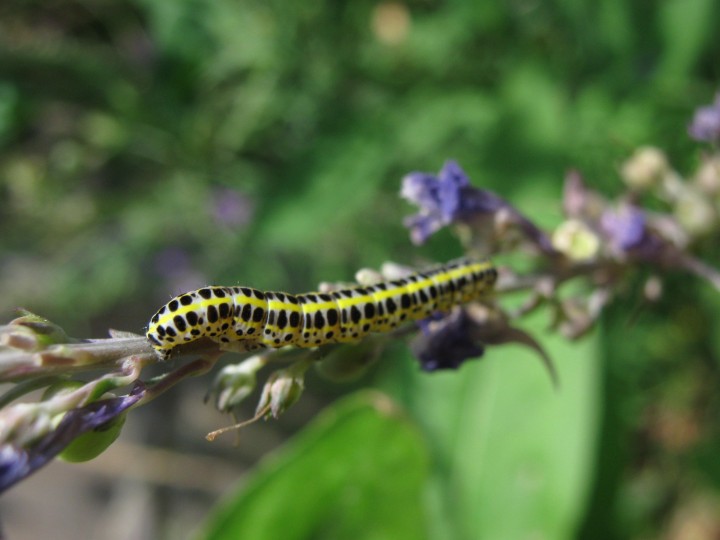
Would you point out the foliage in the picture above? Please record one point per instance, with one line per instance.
(152, 147)
(357, 501)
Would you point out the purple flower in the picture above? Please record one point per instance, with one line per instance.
(705, 125)
(449, 198)
(624, 227)
(627, 231)
(14, 465)
(231, 208)
(172, 261)
(174, 265)
(17, 463)
(446, 343)
(443, 199)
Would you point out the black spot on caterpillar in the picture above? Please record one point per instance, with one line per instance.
(259, 320)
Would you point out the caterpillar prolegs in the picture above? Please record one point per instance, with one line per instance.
(229, 315)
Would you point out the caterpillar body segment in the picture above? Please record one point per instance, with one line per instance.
(320, 322)
(241, 318)
(282, 324)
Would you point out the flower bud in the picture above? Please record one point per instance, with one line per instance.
(653, 289)
(233, 384)
(368, 276)
(282, 389)
(19, 337)
(645, 168)
(391, 270)
(707, 177)
(705, 125)
(695, 213)
(576, 241)
(30, 332)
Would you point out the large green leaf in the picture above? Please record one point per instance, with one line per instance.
(356, 472)
(513, 455)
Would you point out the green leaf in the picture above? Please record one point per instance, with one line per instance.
(514, 456)
(350, 175)
(92, 443)
(355, 472)
(686, 26)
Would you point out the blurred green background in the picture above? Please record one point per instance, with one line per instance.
(150, 147)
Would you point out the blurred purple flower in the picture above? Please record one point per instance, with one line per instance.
(446, 343)
(230, 208)
(627, 231)
(449, 198)
(443, 199)
(18, 463)
(624, 227)
(705, 125)
(580, 202)
(175, 266)
(656, 242)
(172, 261)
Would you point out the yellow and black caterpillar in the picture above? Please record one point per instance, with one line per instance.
(229, 315)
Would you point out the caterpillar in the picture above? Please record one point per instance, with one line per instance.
(242, 318)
